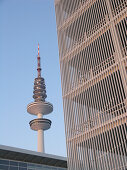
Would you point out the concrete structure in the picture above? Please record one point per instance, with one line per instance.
(40, 107)
(20, 159)
(93, 62)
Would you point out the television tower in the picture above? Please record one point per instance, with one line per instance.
(40, 107)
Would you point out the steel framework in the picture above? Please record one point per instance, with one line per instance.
(93, 62)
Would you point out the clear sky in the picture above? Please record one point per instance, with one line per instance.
(24, 23)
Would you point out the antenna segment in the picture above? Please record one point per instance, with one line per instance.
(38, 63)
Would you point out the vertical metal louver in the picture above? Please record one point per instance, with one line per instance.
(93, 61)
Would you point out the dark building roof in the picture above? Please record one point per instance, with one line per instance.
(7, 152)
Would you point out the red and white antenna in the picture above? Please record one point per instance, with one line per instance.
(38, 63)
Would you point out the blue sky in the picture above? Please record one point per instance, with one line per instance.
(24, 23)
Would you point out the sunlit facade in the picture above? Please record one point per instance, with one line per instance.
(93, 62)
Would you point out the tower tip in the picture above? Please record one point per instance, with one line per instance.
(39, 65)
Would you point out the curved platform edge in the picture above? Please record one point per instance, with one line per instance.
(40, 124)
(39, 107)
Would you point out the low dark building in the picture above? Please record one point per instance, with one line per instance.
(20, 159)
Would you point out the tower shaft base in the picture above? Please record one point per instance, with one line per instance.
(40, 146)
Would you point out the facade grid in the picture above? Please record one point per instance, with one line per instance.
(93, 63)
(6, 164)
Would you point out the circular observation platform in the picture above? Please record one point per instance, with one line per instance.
(40, 124)
(40, 107)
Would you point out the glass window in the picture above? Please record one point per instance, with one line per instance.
(3, 167)
(22, 164)
(13, 168)
(38, 166)
(4, 162)
(29, 165)
(14, 163)
(21, 168)
(46, 168)
(54, 169)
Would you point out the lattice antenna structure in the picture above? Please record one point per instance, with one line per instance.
(38, 63)
(40, 107)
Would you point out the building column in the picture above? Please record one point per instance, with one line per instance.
(118, 51)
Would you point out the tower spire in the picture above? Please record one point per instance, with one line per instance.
(38, 63)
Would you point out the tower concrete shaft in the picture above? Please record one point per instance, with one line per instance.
(40, 145)
(40, 107)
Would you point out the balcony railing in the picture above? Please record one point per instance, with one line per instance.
(116, 9)
(96, 69)
(86, 35)
(79, 6)
(101, 117)
(103, 65)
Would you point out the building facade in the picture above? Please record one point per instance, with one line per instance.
(19, 159)
(93, 62)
